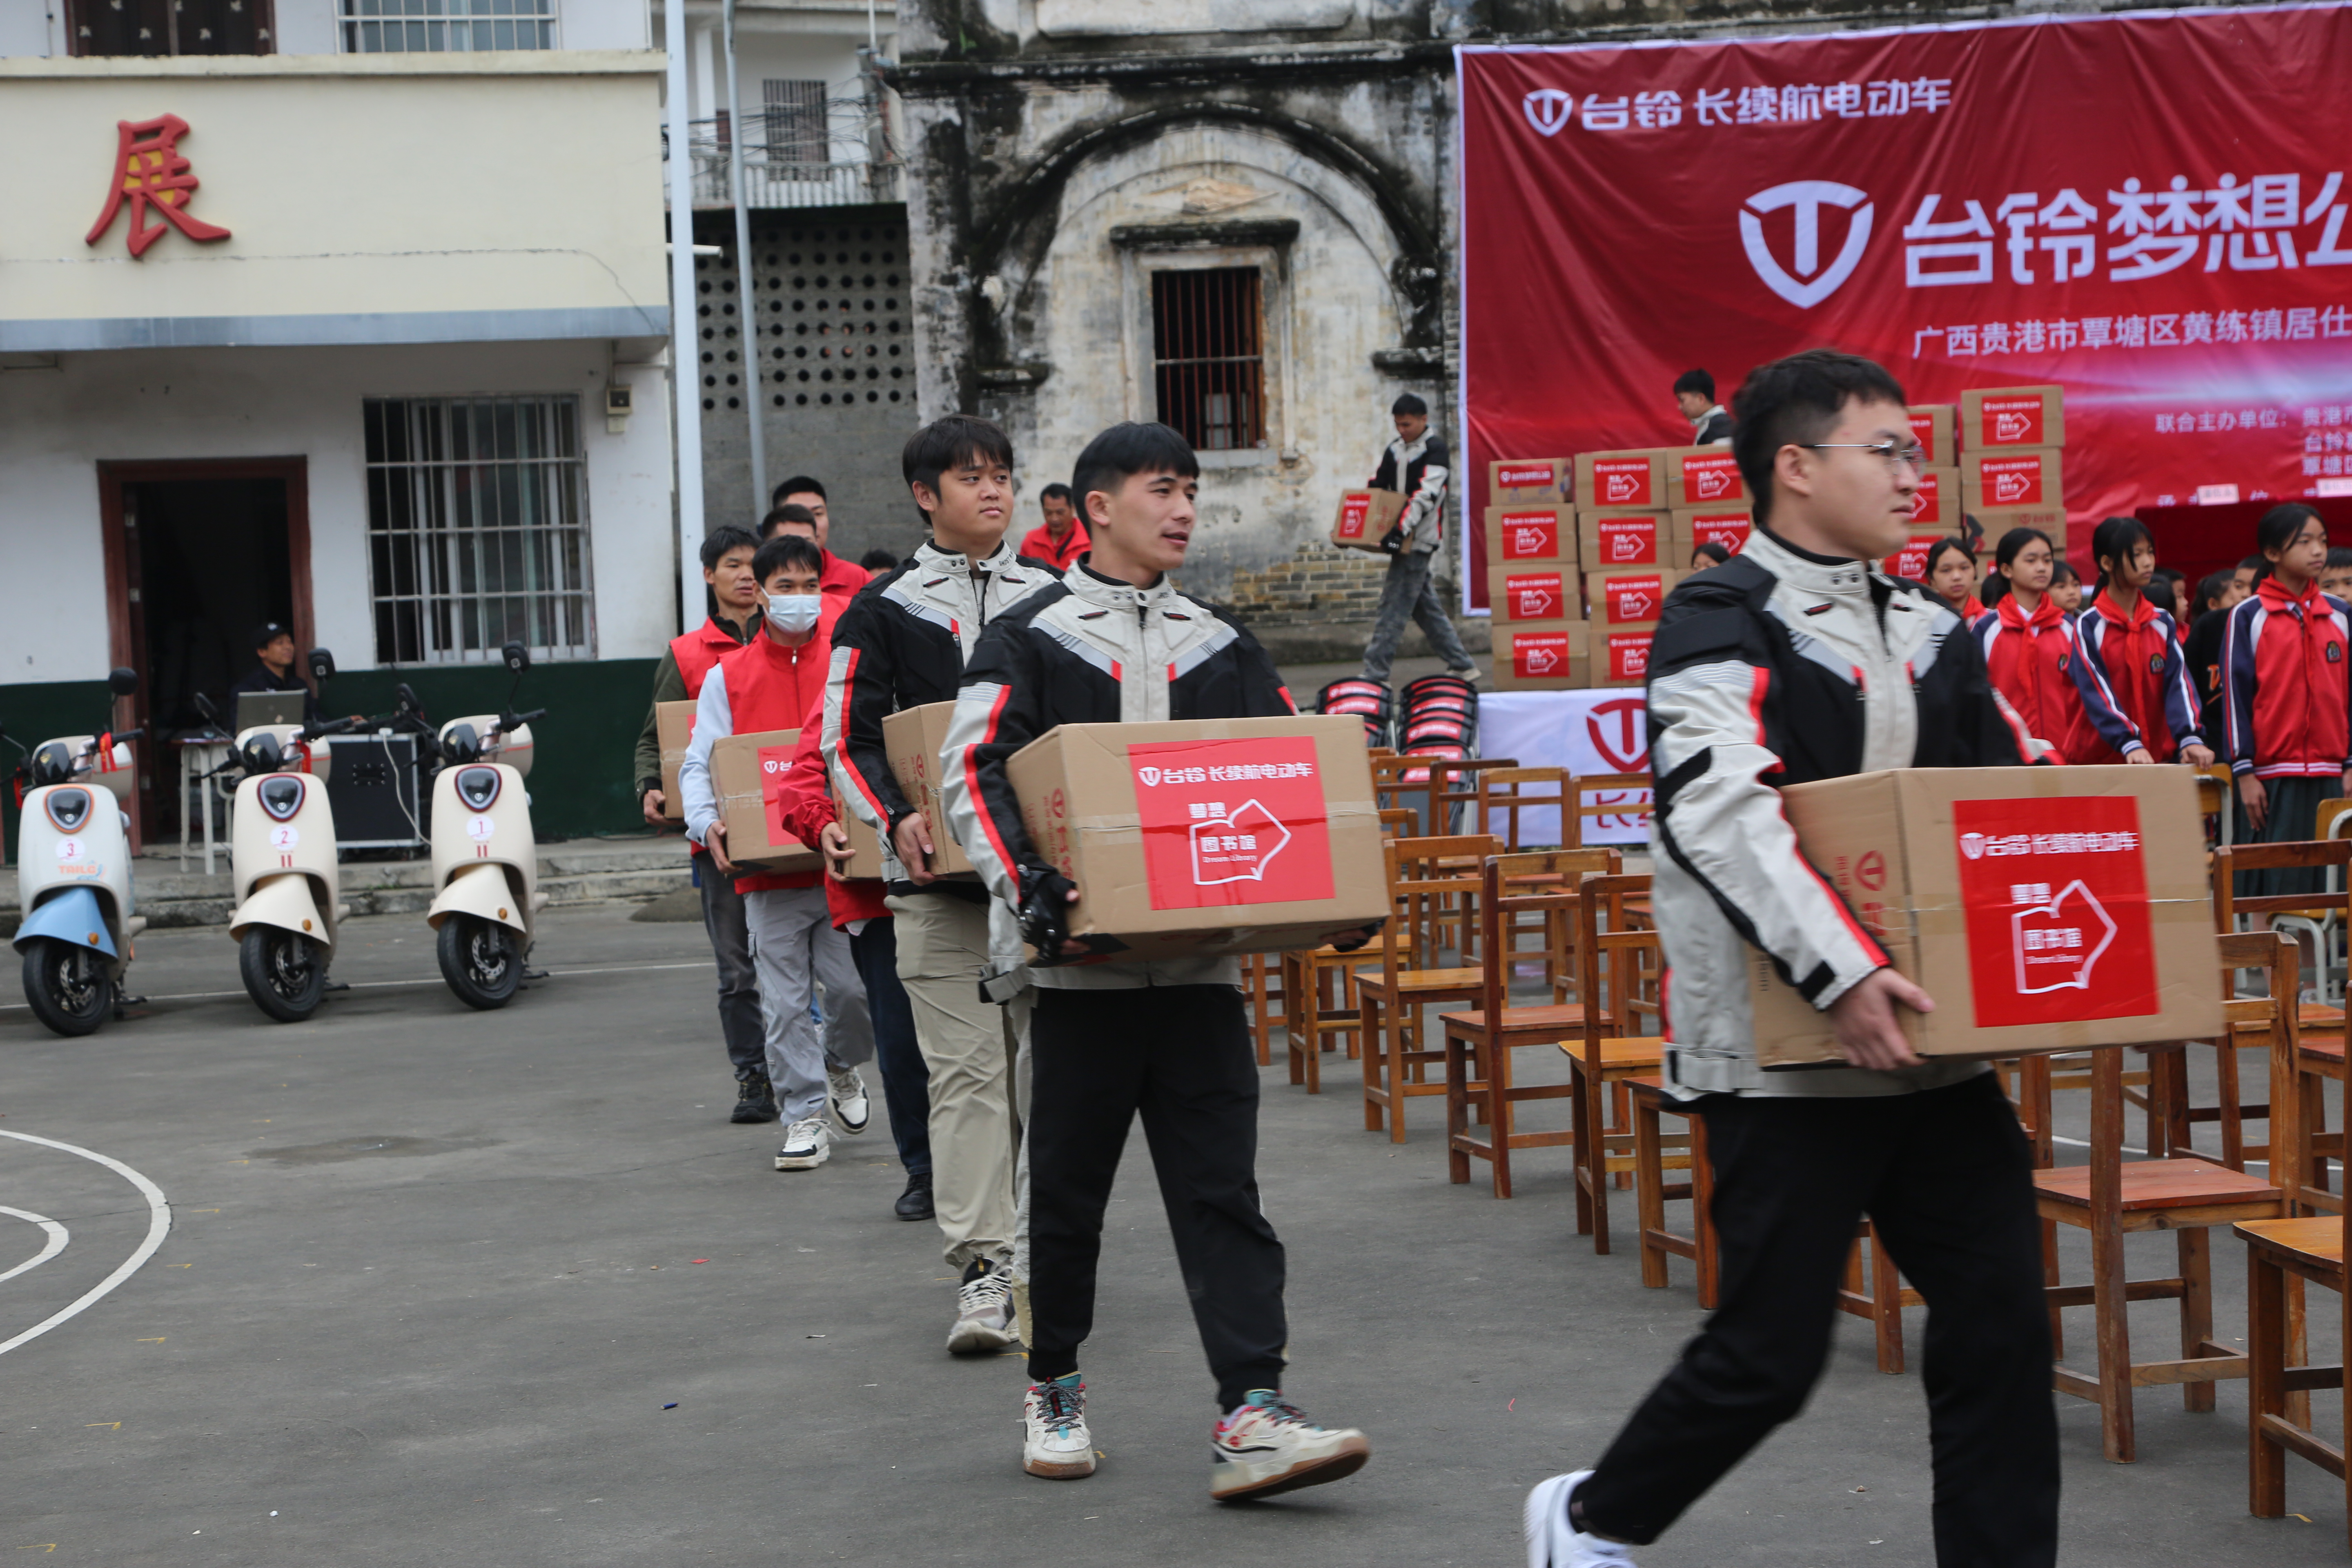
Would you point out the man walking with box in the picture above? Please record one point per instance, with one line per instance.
(1797, 660)
(1114, 642)
(1417, 466)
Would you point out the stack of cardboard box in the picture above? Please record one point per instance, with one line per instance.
(2010, 469)
(1644, 510)
(1532, 585)
(1938, 511)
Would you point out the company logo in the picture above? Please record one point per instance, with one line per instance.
(1870, 871)
(1807, 283)
(2012, 481)
(1523, 476)
(1546, 655)
(1633, 598)
(1729, 531)
(1533, 598)
(2010, 427)
(2057, 945)
(1622, 481)
(1236, 847)
(1355, 511)
(1547, 108)
(1529, 535)
(1619, 730)
(1235, 773)
(1710, 479)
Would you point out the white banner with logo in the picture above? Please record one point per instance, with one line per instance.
(1587, 732)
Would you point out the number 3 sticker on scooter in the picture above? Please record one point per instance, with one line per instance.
(68, 848)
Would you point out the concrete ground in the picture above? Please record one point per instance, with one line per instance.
(500, 1391)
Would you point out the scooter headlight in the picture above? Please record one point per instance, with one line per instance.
(478, 787)
(280, 795)
(68, 808)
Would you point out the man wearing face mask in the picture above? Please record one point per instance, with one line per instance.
(775, 682)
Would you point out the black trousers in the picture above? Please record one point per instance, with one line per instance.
(906, 1082)
(739, 1022)
(1945, 1179)
(1180, 1055)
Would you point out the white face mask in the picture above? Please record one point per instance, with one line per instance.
(794, 612)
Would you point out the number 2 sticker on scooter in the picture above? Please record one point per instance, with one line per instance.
(284, 837)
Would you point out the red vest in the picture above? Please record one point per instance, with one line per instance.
(771, 687)
(1040, 546)
(698, 650)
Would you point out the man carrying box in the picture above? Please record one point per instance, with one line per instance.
(1417, 466)
(774, 682)
(1114, 642)
(1796, 660)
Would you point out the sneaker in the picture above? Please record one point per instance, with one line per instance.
(755, 1099)
(851, 1109)
(915, 1202)
(1056, 1443)
(984, 1310)
(806, 1145)
(1269, 1446)
(1469, 672)
(1554, 1543)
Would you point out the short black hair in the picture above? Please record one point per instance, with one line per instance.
(1057, 490)
(2211, 588)
(1125, 450)
(798, 485)
(1712, 549)
(878, 560)
(2338, 558)
(950, 442)
(1409, 402)
(787, 550)
(2257, 561)
(268, 632)
(721, 540)
(779, 516)
(1794, 401)
(1696, 381)
(2063, 570)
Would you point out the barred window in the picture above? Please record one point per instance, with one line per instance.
(1208, 352)
(477, 528)
(796, 121)
(446, 26)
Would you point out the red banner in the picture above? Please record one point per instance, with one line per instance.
(2149, 211)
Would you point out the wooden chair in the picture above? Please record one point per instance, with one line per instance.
(1426, 883)
(1507, 791)
(1318, 1001)
(2111, 1198)
(2217, 798)
(1459, 790)
(1412, 784)
(2283, 1256)
(1652, 1192)
(1622, 970)
(1487, 1037)
(1613, 788)
(1261, 987)
(1874, 1291)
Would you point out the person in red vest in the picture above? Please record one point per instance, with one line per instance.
(1063, 538)
(801, 493)
(734, 618)
(2131, 650)
(774, 682)
(2033, 652)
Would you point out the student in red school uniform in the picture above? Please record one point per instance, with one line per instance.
(2033, 652)
(2131, 653)
(2287, 702)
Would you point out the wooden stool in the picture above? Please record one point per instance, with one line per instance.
(1621, 972)
(1652, 1192)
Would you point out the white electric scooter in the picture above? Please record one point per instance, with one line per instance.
(485, 856)
(73, 875)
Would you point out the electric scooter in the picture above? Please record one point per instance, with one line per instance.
(73, 875)
(485, 856)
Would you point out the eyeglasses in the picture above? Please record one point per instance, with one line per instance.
(1915, 453)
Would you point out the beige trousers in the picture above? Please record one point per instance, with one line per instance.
(977, 1053)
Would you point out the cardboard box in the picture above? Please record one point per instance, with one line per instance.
(1530, 482)
(673, 724)
(915, 737)
(1610, 539)
(1365, 517)
(1535, 591)
(1931, 426)
(1726, 526)
(1516, 533)
(2027, 477)
(1539, 655)
(1911, 561)
(1938, 504)
(2044, 909)
(1207, 836)
(864, 844)
(1703, 476)
(1618, 658)
(1997, 522)
(1623, 599)
(2008, 416)
(745, 770)
(1633, 479)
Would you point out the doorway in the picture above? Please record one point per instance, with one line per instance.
(198, 555)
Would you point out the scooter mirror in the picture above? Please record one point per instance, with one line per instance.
(122, 682)
(261, 754)
(461, 745)
(405, 700)
(210, 714)
(322, 666)
(518, 657)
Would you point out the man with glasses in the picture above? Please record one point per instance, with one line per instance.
(1797, 660)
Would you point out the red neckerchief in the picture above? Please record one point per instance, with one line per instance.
(2046, 614)
(2278, 601)
(2143, 612)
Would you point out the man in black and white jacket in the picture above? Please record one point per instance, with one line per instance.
(1797, 660)
(1417, 466)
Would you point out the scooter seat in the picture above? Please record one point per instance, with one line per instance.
(134, 925)
(538, 902)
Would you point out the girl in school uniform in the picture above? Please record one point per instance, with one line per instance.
(2034, 653)
(2286, 699)
(2131, 651)
(1952, 577)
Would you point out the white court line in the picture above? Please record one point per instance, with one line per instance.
(58, 1237)
(396, 985)
(159, 1225)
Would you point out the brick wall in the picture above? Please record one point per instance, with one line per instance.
(1320, 583)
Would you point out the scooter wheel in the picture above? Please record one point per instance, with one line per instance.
(480, 959)
(66, 986)
(284, 973)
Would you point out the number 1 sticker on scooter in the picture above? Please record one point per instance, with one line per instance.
(480, 829)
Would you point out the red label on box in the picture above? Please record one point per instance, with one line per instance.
(1232, 822)
(1529, 535)
(1923, 430)
(2010, 481)
(1355, 514)
(1632, 598)
(1522, 476)
(1710, 479)
(1541, 656)
(1927, 501)
(1622, 481)
(1627, 541)
(2057, 919)
(1534, 595)
(2012, 421)
(775, 762)
(1911, 561)
(1625, 656)
(1728, 529)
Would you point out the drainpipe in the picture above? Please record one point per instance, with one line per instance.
(746, 310)
(685, 360)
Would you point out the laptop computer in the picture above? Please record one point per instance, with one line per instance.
(254, 709)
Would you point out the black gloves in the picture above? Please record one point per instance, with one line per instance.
(1394, 540)
(1045, 912)
(1360, 938)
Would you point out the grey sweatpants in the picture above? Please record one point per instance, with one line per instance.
(1408, 596)
(794, 946)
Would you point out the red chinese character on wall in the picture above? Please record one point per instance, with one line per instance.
(149, 170)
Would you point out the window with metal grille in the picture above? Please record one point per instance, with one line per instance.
(168, 27)
(477, 528)
(796, 122)
(446, 26)
(1208, 353)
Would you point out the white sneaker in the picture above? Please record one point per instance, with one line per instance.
(1269, 1446)
(983, 1311)
(806, 1145)
(1553, 1542)
(1057, 1445)
(851, 1109)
